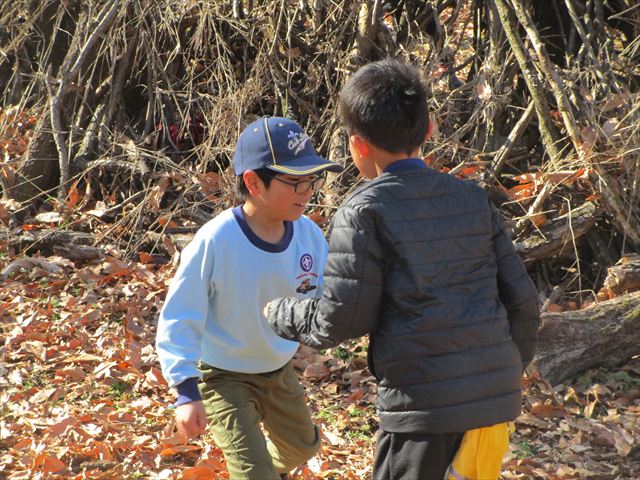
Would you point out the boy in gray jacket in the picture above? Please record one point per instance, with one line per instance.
(419, 261)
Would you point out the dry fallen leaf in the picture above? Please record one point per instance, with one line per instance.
(316, 372)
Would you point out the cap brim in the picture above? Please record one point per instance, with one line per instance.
(307, 166)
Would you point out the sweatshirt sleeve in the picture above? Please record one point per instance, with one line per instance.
(353, 276)
(517, 292)
(184, 313)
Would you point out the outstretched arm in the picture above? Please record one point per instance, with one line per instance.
(353, 276)
(517, 292)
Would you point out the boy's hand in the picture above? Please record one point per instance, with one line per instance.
(191, 420)
(265, 310)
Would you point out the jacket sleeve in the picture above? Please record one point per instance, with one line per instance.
(353, 275)
(517, 292)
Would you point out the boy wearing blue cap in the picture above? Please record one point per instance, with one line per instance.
(213, 342)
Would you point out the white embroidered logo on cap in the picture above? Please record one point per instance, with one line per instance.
(297, 141)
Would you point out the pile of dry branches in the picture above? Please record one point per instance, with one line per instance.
(119, 118)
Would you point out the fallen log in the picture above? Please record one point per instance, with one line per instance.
(624, 276)
(44, 240)
(78, 253)
(605, 334)
(559, 236)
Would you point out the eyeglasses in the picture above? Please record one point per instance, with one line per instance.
(303, 186)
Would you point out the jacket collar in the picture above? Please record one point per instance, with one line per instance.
(404, 165)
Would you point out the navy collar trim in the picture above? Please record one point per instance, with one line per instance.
(404, 165)
(281, 246)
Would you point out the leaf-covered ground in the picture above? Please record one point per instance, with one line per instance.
(82, 395)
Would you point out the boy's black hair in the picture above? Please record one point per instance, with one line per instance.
(386, 103)
(264, 174)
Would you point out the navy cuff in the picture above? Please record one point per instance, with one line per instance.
(188, 392)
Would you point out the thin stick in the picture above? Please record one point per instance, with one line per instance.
(503, 153)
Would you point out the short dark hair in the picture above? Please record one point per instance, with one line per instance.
(264, 174)
(386, 103)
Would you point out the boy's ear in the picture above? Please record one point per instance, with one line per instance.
(360, 144)
(430, 128)
(251, 181)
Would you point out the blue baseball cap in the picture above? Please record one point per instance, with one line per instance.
(281, 145)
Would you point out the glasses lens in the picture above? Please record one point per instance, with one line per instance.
(318, 183)
(302, 186)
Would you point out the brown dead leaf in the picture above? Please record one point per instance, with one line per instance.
(75, 373)
(356, 394)
(84, 357)
(300, 363)
(538, 219)
(175, 449)
(294, 52)
(604, 435)
(593, 397)
(73, 196)
(206, 469)
(154, 198)
(209, 182)
(47, 394)
(198, 473)
(46, 463)
(566, 472)
(134, 325)
(331, 437)
(4, 214)
(532, 421)
(616, 100)
(319, 219)
(122, 417)
(316, 372)
(154, 379)
(588, 137)
(554, 308)
(115, 267)
(610, 127)
(547, 410)
(59, 428)
(482, 88)
(167, 222)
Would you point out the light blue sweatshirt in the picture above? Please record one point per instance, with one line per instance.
(213, 309)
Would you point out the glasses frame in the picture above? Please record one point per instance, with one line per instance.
(315, 184)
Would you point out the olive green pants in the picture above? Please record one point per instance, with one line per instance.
(236, 405)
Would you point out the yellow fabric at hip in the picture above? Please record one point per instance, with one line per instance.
(480, 454)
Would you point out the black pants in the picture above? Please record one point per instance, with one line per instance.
(414, 456)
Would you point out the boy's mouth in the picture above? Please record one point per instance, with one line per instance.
(303, 205)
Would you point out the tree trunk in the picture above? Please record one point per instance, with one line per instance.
(38, 171)
(368, 25)
(606, 334)
(548, 132)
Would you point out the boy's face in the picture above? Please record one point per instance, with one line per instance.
(287, 196)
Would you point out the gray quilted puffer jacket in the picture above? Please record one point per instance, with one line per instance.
(420, 262)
